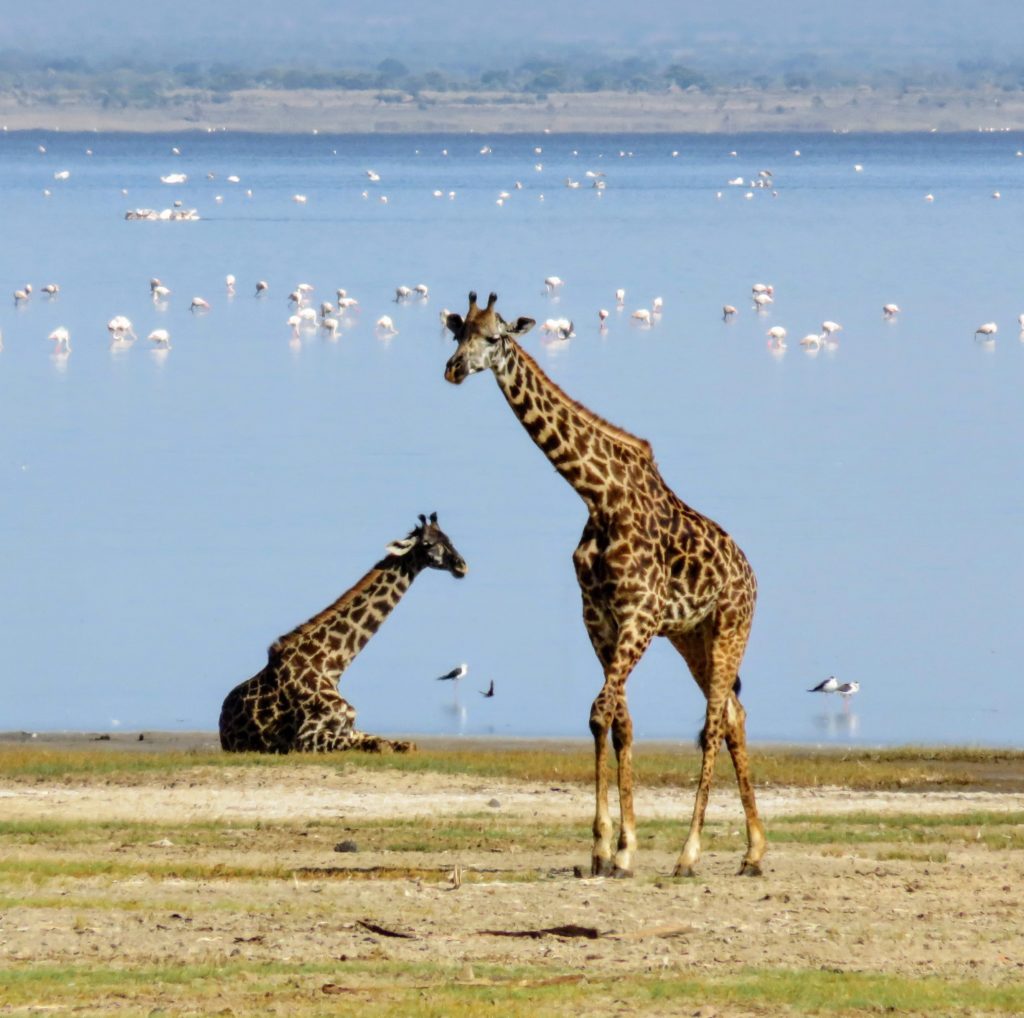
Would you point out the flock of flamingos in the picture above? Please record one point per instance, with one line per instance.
(332, 316)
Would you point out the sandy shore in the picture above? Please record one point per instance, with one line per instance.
(733, 111)
(285, 893)
(242, 867)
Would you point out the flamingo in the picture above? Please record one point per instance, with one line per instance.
(602, 316)
(642, 315)
(198, 304)
(811, 342)
(51, 289)
(372, 176)
(22, 295)
(386, 326)
(620, 296)
(229, 283)
(261, 287)
(986, 330)
(828, 328)
(890, 310)
(656, 305)
(159, 293)
(727, 312)
(307, 316)
(299, 199)
(330, 326)
(561, 327)
(762, 300)
(777, 337)
(120, 326)
(553, 283)
(1020, 321)
(422, 290)
(161, 337)
(62, 347)
(401, 293)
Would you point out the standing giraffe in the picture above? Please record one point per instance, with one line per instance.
(294, 703)
(648, 565)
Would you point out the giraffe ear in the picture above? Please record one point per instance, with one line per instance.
(454, 323)
(521, 326)
(402, 547)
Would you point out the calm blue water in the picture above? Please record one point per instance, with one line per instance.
(163, 518)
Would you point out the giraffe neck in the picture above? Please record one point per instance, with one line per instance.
(598, 459)
(327, 643)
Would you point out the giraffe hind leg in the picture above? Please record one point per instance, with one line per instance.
(736, 741)
(712, 658)
(328, 726)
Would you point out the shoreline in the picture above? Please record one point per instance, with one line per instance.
(734, 111)
(200, 740)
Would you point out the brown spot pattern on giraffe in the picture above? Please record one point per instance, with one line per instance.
(647, 565)
(293, 702)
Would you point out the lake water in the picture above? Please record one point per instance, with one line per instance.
(166, 514)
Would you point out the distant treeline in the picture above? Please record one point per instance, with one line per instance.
(37, 78)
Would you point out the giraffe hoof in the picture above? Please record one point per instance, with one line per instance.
(683, 871)
(618, 874)
(601, 867)
(750, 869)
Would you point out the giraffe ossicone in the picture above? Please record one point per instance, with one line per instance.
(293, 703)
(647, 565)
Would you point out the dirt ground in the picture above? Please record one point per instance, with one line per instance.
(838, 906)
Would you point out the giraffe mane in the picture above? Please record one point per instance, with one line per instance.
(612, 431)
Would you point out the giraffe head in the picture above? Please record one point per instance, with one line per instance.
(428, 545)
(480, 335)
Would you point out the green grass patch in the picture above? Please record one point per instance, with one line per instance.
(903, 768)
(390, 988)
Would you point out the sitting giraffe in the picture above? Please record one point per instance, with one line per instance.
(293, 704)
(648, 565)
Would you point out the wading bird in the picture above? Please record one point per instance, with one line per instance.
(829, 685)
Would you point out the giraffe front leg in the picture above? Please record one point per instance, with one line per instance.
(611, 712)
(600, 721)
(377, 743)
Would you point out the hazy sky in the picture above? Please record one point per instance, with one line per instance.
(453, 33)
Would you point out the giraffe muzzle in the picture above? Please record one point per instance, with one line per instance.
(455, 372)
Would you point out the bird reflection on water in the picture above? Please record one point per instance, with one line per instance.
(837, 723)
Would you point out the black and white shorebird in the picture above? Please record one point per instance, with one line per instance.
(847, 689)
(829, 685)
(455, 674)
(489, 691)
